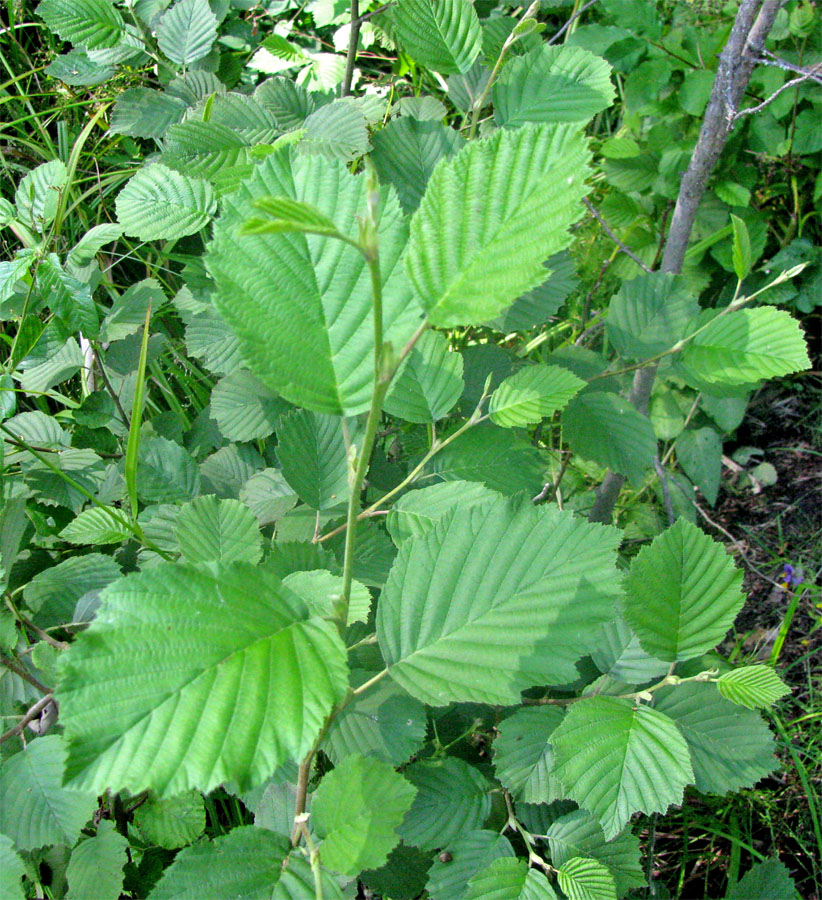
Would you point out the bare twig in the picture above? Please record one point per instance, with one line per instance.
(749, 111)
(771, 59)
(13, 666)
(30, 716)
(571, 21)
(623, 247)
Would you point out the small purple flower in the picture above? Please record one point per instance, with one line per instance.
(791, 576)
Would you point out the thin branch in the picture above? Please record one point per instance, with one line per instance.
(779, 63)
(375, 12)
(571, 21)
(351, 55)
(30, 716)
(13, 666)
(749, 111)
(623, 247)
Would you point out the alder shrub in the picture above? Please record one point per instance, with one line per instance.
(414, 674)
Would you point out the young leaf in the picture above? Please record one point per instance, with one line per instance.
(579, 834)
(495, 599)
(428, 384)
(35, 808)
(212, 530)
(443, 35)
(552, 84)
(282, 214)
(158, 203)
(515, 196)
(452, 798)
(173, 822)
(730, 747)
(752, 686)
(96, 865)
(616, 759)
(741, 254)
(466, 856)
(746, 346)
(532, 394)
(682, 593)
(320, 590)
(509, 878)
(357, 810)
(586, 879)
(523, 757)
(186, 32)
(94, 24)
(265, 685)
(300, 304)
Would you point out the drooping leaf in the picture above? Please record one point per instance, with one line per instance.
(650, 313)
(35, 808)
(469, 854)
(495, 599)
(38, 192)
(746, 346)
(266, 684)
(321, 589)
(96, 525)
(586, 879)
(509, 224)
(212, 530)
(682, 593)
(523, 757)
(418, 511)
(357, 810)
(552, 84)
(452, 798)
(699, 452)
(12, 870)
(631, 444)
(186, 32)
(96, 865)
(730, 747)
(509, 878)
(301, 304)
(579, 834)
(80, 261)
(769, 880)
(429, 382)
(532, 394)
(406, 151)
(159, 203)
(174, 822)
(752, 686)
(741, 254)
(616, 759)
(443, 35)
(93, 24)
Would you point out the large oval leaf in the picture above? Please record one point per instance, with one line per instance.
(159, 675)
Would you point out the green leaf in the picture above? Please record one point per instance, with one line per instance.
(730, 747)
(336, 131)
(68, 298)
(35, 808)
(619, 655)
(419, 510)
(12, 870)
(127, 315)
(38, 192)
(736, 195)
(11, 272)
(746, 346)
(76, 69)
(268, 495)
(356, 810)
(384, 722)
(282, 214)
(403, 877)
(96, 865)
(509, 878)
(244, 408)
(159, 203)
(81, 261)
(649, 314)
(495, 599)
(205, 149)
(579, 834)
(552, 84)
(96, 525)
(769, 880)
(165, 472)
(212, 530)
(313, 456)
(616, 759)
(537, 306)
(468, 855)
(682, 593)
(92, 23)
(265, 685)
(406, 151)
(246, 862)
(741, 254)
(523, 756)
(532, 394)
(495, 457)
(631, 444)
(53, 593)
(752, 686)
(321, 590)
(429, 382)
(146, 113)
(187, 31)
(586, 879)
(173, 822)
(699, 452)
(452, 798)
(443, 35)
(300, 304)
(509, 225)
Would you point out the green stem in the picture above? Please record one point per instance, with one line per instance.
(351, 55)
